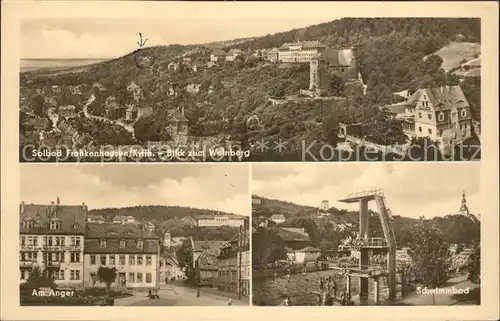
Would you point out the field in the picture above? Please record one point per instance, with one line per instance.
(456, 51)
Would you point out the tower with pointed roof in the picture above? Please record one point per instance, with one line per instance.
(464, 210)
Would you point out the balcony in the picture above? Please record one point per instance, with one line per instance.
(54, 248)
(30, 247)
(73, 247)
(54, 264)
(26, 263)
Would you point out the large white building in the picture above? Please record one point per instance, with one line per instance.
(307, 254)
(133, 251)
(219, 220)
(299, 52)
(52, 239)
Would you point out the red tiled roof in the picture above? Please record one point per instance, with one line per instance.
(72, 218)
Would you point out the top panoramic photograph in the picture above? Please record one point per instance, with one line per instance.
(247, 89)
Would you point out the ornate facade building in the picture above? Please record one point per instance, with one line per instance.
(52, 239)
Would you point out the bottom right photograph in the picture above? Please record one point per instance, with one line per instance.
(347, 234)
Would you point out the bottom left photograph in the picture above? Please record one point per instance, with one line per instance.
(134, 235)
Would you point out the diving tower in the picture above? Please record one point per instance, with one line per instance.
(367, 243)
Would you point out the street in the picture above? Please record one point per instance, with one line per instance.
(179, 295)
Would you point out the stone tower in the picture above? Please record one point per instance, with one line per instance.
(318, 76)
(325, 205)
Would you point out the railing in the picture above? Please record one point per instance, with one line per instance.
(53, 247)
(53, 263)
(367, 191)
(26, 263)
(30, 247)
(375, 242)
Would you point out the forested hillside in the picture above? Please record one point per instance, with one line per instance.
(325, 233)
(153, 212)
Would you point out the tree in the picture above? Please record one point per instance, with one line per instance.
(184, 256)
(37, 104)
(267, 247)
(474, 266)
(430, 254)
(38, 279)
(107, 275)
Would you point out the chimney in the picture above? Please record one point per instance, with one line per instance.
(22, 207)
(84, 206)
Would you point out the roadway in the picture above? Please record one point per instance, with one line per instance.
(179, 295)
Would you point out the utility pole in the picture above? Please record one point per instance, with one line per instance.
(240, 246)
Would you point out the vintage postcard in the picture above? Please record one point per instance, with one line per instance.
(134, 236)
(249, 160)
(375, 235)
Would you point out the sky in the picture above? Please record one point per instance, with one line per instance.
(110, 38)
(221, 187)
(411, 190)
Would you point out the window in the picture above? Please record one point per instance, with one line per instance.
(103, 259)
(140, 244)
(28, 223)
(93, 277)
(430, 131)
(122, 259)
(24, 275)
(441, 116)
(54, 225)
(419, 128)
(59, 240)
(131, 277)
(60, 275)
(139, 277)
(131, 260)
(419, 115)
(112, 260)
(75, 241)
(440, 132)
(92, 259)
(429, 116)
(139, 259)
(148, 259)
(74, 275)
(463, 113)
(49, 241)
(148, 278)
(22, 240)
(75, 257)
(103, 244)
(122, 244)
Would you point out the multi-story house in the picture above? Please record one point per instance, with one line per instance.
(234, 265)
(442, 114)
(197, 248)
(299, 52)
(232, 54)
(133, 251)
(220, 220)
(217, 55)
(51, 238)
